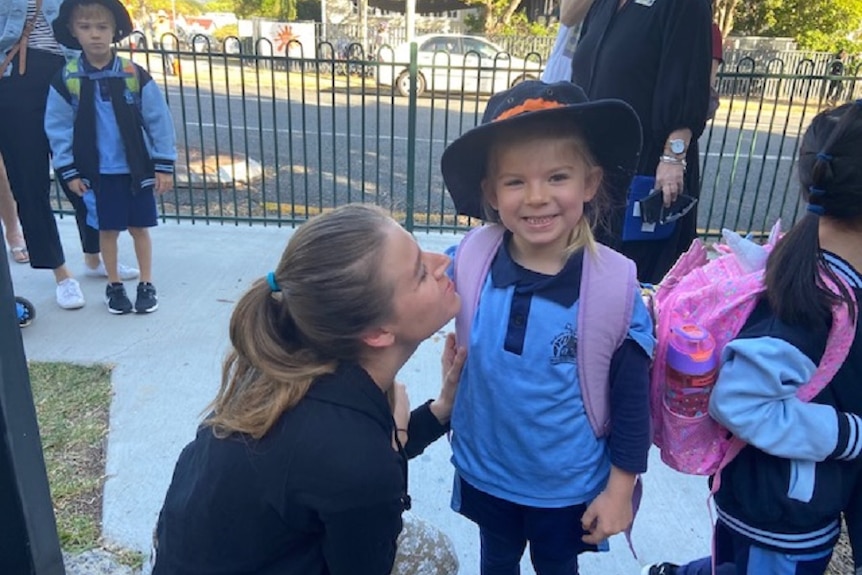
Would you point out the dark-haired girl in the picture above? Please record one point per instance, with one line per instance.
(301, 466)
(780, 501)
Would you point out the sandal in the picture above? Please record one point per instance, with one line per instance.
(20, 254)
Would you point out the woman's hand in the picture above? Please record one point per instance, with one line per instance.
(453, 361)
(669, 179)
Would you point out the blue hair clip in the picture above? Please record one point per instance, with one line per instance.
(823, 156)
(815, 209)
(816, 192)
(858, 102)
(273, 284)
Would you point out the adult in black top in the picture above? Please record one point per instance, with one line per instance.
(301, 468)
(654, 55)
(321, 492)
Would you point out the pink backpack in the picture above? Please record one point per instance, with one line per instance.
(720, 294)
(604, 314)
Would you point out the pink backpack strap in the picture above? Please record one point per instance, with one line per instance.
(473, 259)
(838, 344)
(608, 285)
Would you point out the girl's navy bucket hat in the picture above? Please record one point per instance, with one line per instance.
(610, 127)
(63, 34)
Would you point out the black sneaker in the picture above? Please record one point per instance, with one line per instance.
(660, 569)
(117, 300)
(147, 300)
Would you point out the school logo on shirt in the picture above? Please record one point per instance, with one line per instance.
(565, 346)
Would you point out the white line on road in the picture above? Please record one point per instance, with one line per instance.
(755, 157)
(301, 133)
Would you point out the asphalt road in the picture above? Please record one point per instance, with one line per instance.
(327, 146)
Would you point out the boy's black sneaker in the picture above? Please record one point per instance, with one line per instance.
(147, 301)
(117, 300)
(660, 569)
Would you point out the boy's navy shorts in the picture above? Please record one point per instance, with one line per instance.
(118, 209)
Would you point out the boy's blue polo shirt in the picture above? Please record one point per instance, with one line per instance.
(112, 152)
(519, 427)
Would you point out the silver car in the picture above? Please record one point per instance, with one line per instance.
(454, 63)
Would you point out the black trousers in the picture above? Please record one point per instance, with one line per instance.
(25, 151)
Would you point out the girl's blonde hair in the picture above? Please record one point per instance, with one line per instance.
(544, 130)
(333, 290)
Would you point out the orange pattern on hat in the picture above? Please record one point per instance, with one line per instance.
(529, 105)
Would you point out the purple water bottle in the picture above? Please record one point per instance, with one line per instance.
(692, 368)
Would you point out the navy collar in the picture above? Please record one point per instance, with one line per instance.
(562, 288)
(842, 267)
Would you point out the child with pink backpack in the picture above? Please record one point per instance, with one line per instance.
(550, 427)
(787, 401)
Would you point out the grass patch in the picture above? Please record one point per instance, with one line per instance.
(72, 405)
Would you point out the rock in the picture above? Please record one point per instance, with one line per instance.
(424, 550)
(223, 170)
(95, 562)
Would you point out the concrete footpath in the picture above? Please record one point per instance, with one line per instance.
(167, 368)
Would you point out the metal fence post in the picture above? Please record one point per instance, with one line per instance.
(28, 531)
(411, 139)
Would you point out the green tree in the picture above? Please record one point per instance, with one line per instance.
(814, 24)
(725, 13)
(275, 9)
(496, 14)
(220, 5)
(183, 7)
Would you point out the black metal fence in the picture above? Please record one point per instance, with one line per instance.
(276, 139)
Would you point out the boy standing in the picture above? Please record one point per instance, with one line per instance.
(111, 134)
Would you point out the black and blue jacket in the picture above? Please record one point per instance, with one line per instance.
(802, 468)
(109, 121)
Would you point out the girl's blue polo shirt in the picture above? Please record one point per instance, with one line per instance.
(519, 427)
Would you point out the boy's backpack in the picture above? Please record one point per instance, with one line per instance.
(72, 75)
(608, 284)
(719, 295)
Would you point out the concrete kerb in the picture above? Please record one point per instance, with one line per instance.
(167, 368)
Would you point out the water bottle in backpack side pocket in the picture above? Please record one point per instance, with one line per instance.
(692, 368)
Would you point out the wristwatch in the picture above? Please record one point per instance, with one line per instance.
(677, 146)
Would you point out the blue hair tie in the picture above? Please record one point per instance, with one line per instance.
(273, 284)
(816, 192)
(815, 209)
(858, 102)
(823, 156)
